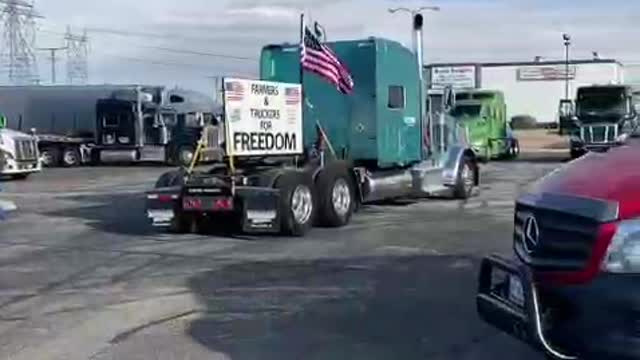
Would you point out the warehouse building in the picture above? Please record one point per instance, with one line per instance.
(531, 89)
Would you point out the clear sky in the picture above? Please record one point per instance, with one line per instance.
(174, 42)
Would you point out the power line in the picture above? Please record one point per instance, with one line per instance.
(171, 49)
(161, 63)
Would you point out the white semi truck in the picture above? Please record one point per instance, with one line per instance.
(19, 156)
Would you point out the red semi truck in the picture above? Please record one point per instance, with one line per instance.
(573, 290)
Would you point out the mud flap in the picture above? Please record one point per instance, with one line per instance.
(259, 209)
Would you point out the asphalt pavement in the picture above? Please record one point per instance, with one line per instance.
(84, 276)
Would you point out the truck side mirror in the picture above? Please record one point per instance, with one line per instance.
(32, 131)
(3, 122)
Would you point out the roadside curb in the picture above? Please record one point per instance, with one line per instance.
(541, 150)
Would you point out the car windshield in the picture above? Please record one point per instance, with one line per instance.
(466, 111)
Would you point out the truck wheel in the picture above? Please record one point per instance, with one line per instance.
(70, 157)
(181, 224)
(185, 154)
(23, 176)
(466, 179)
(576, 153)
(170, 178)
(514, 149)
(296, 206)
(50, 156)
(335, 196)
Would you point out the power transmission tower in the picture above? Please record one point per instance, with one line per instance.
(19, 37)
(77, 57)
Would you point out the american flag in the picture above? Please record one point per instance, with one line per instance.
(234, 91)
(320, 59)
(292, 96)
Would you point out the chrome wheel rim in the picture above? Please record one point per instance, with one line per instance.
(467, 178)
(47, 158)
(70, 158)
(341, 197)
(301, 204)
(186, 156)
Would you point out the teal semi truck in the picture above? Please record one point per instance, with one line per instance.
(483, 114)
(373, 144)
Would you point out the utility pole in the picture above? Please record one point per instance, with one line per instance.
(52, 58)
(567, 42)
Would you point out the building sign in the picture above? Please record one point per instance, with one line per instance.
(262, 117)
(459, 77)
(545, 73)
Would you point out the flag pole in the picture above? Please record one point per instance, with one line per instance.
(301, 48)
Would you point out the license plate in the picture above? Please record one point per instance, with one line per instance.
(516, 292)
(257, 216)
(161, 215)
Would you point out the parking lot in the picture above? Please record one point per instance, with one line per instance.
(84, 276)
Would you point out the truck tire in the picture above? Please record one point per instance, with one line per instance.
(466, 179)
(70, 157)
(576, 153)
(23, 176)
(296, 207)
(184, 155)
(181, 224)
(170, 178)
(50, 156)
(335, 195)
(514, 148)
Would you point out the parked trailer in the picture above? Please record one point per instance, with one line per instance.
(62, 117)
(290, 167)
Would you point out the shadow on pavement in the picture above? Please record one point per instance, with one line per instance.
(117, 213)
(419, 307)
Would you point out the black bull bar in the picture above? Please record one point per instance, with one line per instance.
(523, 321)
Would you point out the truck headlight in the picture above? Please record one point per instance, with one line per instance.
(622, 137)
(623, 254)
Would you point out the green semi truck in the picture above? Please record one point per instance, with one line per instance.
(483, 115)
(305, 153)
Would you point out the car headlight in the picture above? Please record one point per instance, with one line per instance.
(623, 254)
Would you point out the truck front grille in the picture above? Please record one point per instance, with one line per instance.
(26, 149)
(564, 240)
(598, 133)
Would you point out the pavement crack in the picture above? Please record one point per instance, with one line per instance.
(127, 334)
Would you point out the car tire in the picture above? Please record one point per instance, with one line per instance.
(50, 156)
(466, 179)
(296, 205)
(70, 157)
(181, 224)
(335, 195)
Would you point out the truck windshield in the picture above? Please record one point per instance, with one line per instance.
(466, 111)
(602, 102)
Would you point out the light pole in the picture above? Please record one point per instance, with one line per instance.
(567, 42)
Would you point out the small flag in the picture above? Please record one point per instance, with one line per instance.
(234, 91)
(321, 60)
(292, 96)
